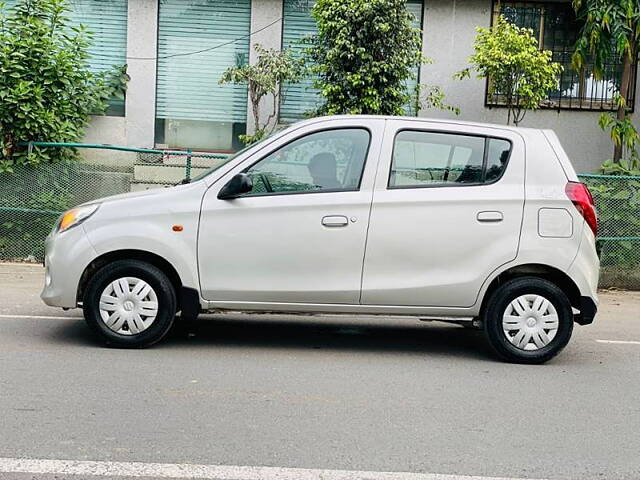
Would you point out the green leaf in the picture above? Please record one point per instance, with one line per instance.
(622, 195)
(363, 54)
(47, 91)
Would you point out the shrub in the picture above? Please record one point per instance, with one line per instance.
(363, 54)
(517, 70)
(266, 77)
(610, 34)
(47, 91)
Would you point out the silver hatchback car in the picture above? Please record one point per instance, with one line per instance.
(463, 222)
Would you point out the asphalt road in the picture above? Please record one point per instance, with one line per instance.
(381, 395)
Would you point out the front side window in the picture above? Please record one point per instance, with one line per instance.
(422, 159)
(331, 160)
(556, 27)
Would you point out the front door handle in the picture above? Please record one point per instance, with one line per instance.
(490, 217)
(335, 221)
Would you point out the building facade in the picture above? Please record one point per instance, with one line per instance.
(176, 51)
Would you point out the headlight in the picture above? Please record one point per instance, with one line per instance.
(75, 216)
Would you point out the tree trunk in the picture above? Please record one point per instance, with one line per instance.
(625, 88)
(255, 106)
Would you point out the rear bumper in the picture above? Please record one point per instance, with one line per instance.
(585, 272)
(588, 310)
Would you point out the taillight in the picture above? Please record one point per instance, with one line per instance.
(581, 197)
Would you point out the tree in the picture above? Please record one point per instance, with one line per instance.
(47, 91)
(363, 54)
(265, 77)
(611, 32)
(431, 96)
(517, 70)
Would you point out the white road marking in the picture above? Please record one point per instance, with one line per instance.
(620, 342)
(209, 472)
(40, 317)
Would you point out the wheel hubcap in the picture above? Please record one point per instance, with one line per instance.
(530, 322)
(128, 306)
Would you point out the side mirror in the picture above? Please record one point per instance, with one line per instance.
(239, 184)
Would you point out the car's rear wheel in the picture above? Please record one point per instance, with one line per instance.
(130, 303)
(528, 320)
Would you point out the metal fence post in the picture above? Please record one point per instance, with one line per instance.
(188, 172)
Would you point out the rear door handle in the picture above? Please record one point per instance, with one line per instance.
(335, 221)
(490, 217)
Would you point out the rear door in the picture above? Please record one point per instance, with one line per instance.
(447, 211)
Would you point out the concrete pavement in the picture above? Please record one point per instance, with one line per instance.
(368, 394)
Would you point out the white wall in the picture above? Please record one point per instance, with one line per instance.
(142, 42)
(449, 32)
(136, 128)
(263, 14)
(110, 130)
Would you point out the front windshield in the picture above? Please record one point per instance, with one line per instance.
(223, 161)
(220, 162)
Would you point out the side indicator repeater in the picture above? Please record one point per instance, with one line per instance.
(177, 228)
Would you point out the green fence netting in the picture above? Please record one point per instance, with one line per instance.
(617, 201)
(32, 198)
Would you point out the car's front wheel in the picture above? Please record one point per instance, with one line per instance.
(528, 320)
(130, 304)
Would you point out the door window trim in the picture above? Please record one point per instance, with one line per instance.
(313, 192)
(485, 154)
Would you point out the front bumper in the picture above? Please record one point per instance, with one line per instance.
(67, 254)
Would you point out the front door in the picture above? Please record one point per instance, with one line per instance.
(447, 212)
(299, 235)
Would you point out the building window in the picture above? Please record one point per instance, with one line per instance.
(197, 41)
(557, 29)
(107, 21)
(427, 159)
(300, 99)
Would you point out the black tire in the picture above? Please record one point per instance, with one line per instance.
(154, 277)
(500, 300)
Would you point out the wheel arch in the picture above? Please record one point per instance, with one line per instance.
(547, 272)
(188, 298)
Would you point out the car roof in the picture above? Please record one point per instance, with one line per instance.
(425, 120)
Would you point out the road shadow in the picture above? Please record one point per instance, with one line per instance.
(396, 335)
(329, 333)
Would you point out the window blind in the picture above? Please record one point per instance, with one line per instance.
(187, 85)
(298, 98)
(301, 98)
(107, 20)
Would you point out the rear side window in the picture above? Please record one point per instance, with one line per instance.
(422, 159)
